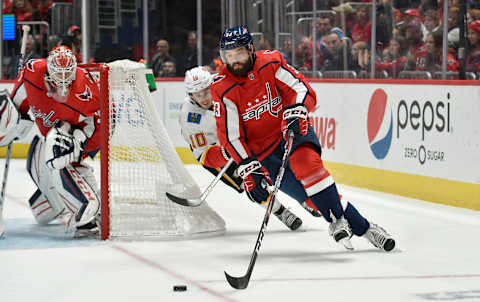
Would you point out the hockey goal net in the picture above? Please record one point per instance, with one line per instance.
(139, 164)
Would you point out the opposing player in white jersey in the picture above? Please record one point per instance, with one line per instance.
(64, 102)
(198, 128)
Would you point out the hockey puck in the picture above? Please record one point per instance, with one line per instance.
(179, 288)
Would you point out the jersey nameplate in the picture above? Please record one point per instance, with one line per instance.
(194, 117)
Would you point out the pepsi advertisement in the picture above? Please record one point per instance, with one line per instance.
(429, 130)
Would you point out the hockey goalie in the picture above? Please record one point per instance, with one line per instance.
(64, 102)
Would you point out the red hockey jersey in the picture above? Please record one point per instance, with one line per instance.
(248, 110)
(81, 108)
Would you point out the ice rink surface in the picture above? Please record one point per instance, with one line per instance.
(437, 257)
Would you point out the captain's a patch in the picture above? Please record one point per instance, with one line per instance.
(194, 117)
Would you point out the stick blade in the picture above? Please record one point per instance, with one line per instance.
(237, 282)
(183, 201)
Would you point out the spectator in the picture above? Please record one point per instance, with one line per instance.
(393, 67)
(473, 59)
(473, 15)
(286, 50)
(413, 15)
(334, 58)
(73, 40)
(162, 54)
(22, 9)
(431, 20)
(29, 54)
(346, 11)
(395, 49)
(42, 9)
(303, 54)
(357, 48)
(266, 41)
(189, 57)
(453, 27)
(430, 59)
(168, 69)
(362, 30)
(413, 37)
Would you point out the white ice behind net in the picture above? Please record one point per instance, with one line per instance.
(144, 165)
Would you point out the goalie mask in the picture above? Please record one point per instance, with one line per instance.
(197, 85)
(61, 66)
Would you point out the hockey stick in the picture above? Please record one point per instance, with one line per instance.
(242, 282)
(4, 186)
(25, 29)
(198, 201)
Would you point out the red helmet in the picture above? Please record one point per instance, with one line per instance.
(61, 66)
(475, 26)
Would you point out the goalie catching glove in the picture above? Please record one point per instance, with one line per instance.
(255, 179)
(12, 125)
(295, 118)
(63, 148)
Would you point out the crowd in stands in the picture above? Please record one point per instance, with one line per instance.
(30, 10)
(407, 39)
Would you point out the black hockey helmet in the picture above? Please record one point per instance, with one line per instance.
(235, 37)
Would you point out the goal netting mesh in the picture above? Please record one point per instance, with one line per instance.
(143, 165)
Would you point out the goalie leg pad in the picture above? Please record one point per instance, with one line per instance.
(43, 210)
(76, 187)
(73, 188)
(45, 207)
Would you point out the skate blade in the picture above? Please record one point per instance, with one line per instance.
(346, 243)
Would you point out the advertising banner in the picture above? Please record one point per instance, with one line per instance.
(429, 130)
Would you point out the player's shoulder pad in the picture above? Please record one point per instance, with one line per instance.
(34, 70)
(221, 82)
(218, 77)
(265, 56)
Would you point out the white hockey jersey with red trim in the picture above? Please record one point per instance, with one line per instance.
(198, 128)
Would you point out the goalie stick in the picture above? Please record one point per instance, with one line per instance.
(198, 201)
(25, 29)
(242, 282)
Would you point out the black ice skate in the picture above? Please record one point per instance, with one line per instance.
(380, 238)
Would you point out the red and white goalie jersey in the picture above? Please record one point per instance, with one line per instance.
(249, 109)
(80, 108)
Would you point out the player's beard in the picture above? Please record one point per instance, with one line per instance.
(243, 69)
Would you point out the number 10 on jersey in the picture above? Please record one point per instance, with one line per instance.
(198, 140)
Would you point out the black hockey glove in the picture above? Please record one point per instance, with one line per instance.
(255, 179)
(295, 118)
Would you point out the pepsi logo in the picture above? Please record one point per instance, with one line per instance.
(379, 124)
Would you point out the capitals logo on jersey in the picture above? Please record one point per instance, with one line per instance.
(266, 105)
(30, 64)
(85, 96)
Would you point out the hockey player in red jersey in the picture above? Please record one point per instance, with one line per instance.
(64, 102)
(258, 98)
(197, 124)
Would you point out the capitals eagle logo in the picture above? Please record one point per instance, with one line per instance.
(84, 96)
